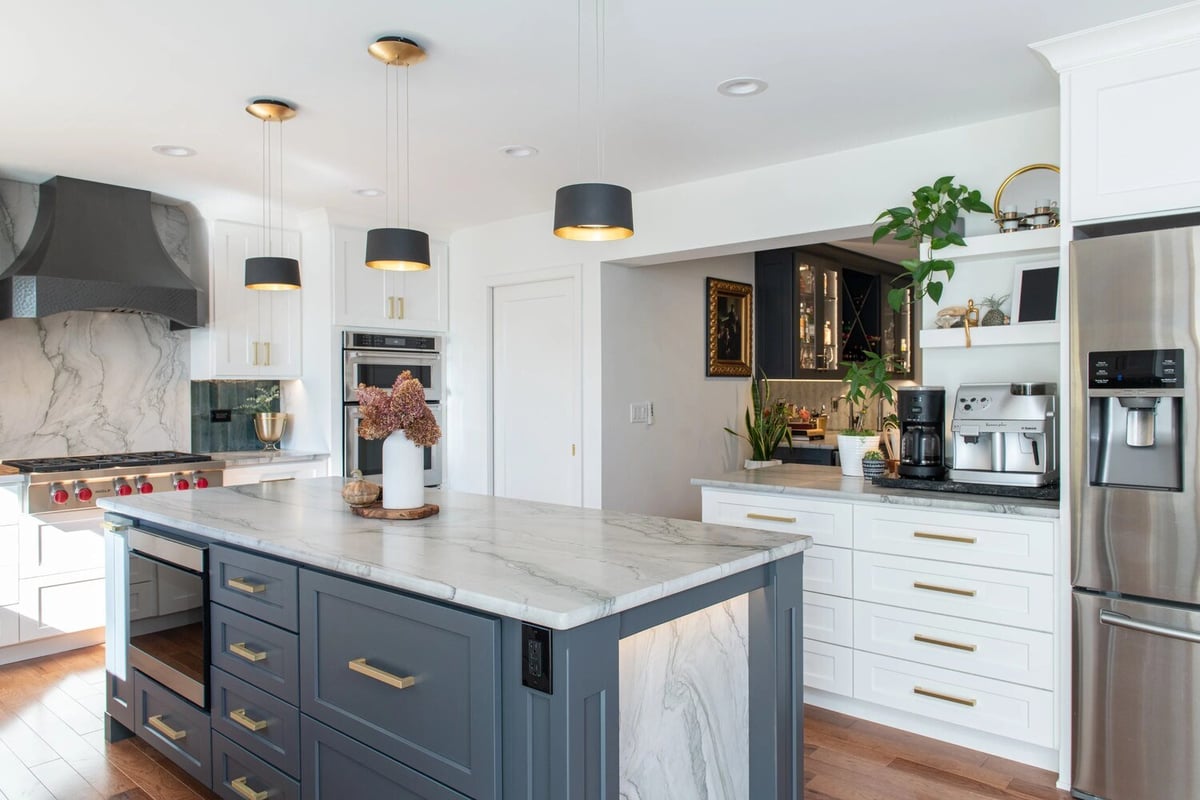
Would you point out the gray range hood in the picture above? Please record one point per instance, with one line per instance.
(94, 248)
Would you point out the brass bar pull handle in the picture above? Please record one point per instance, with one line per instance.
(239, 716)
(267, 345)
(255, 353)
(769, 518)
(114, 526)
(239, 786)
(949, 698)
(239, 649)
(920, 637)
(166, 730)
(245, 585)
(399, 308)
(361, 666)
(943, 537)
(391, 308)
(933, 587)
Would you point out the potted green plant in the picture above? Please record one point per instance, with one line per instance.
(268, 425)
(933, 216)
(873, 464)
(766, 425)
(866, 382)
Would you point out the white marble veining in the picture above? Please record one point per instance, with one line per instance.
(254, 458)
(685, 721)
(806, 480)
(557, 566)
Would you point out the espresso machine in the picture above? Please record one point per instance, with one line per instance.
(1005, 433)
(922, 413)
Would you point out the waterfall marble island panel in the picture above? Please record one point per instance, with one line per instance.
(657, 626)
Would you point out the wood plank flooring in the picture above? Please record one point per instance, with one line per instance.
(52, 748)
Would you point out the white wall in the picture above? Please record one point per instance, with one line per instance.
(816, 199)
(654, 323)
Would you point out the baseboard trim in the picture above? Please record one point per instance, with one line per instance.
(51, 645)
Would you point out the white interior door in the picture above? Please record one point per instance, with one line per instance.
(536, 392)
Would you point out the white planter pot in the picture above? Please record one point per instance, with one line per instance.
(403, 472)
(850, 452)
(752, 464)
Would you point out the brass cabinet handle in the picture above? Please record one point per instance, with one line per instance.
(166, 730)
(399, 308)
(239, 716)
(943, 537)
(245, 585)
(239, 786)
(769, 518)
(255, 353)
(391, 308)
(949, 698)
(920, 637)
(361, 666)
(267, 345)
(239, 649)
(933, 587)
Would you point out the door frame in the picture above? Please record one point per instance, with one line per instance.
(574, 272)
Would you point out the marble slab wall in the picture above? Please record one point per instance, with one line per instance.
(685, 720)
(238, 433)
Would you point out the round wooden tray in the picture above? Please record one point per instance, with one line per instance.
(377, 511)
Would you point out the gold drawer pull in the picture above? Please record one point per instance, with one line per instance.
(166, 730)
(920, 637)
(769, 518)
(944, 537)
(239, 649)
(361, 666)
(239, 716)
(933, 587)
(245, 585)
(949, 698)
(239, 786)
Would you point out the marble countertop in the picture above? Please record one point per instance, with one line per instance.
(253, 458)
(558, 566)
(806, 480)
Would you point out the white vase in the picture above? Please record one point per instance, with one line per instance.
(850, 452)
(752, 464)
(403, 472)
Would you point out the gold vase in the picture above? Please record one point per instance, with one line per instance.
(268, 427)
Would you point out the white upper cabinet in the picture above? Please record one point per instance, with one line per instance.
(372, 298)
(251, 334)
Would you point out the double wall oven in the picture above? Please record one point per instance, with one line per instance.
(375, 359)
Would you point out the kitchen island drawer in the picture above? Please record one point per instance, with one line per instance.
(828, 523)
(173, 727)
(828, 618)
(1005, 709)
(259, 722)
(980, 648)
(413, 679)
(1002, 596)
(261, 587)
(988, 540)
(256, 652)
(240, 775)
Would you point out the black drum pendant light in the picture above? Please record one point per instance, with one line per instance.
(397, 248)
(271, 272)
(593, 212)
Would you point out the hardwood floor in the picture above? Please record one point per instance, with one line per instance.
(52, 747)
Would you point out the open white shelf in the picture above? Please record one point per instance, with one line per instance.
(1024, 333)
(999, 244)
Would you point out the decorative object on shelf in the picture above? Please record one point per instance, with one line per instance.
(593, 212)
(1035, 293)
(873, 464)
(406, 424)
(950, 317)
(360, 493)
(866, 382)
(396, 248)
(995, 310)
(271, 272)
(1035, 191)
(933, 215)
(377, 511)
(766, 425)
(268, 423)
(730, 326)
(969, 319)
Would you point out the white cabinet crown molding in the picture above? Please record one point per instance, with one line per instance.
(1139, 34)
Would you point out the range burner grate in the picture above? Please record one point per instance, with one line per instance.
(104, 461)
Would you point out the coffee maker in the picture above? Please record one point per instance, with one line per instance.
(922, 413)
(1005, 433)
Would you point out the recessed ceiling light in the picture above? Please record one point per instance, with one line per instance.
(519, 150)
(173, 150)
(742, 87)
(369, 192)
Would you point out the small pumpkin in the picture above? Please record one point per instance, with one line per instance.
(359, 492)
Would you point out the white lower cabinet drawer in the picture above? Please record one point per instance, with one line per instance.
(978, 648)
(828, 618)
(829, 570)
(828, 667)
(828, 523)
(1005, 709)
(962, 590)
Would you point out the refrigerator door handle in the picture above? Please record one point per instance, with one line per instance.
(1122, 621)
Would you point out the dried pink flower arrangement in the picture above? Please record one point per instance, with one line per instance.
(402, 408)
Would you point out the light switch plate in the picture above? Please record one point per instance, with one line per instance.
(641, 413)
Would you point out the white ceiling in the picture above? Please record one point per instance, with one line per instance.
(88, 88)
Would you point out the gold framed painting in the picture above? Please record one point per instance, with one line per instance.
(730, 328)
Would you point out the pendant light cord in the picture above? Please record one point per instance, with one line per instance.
(407, 159)
(263, 144)
(579, 157)
(600, 44)
(389, 198)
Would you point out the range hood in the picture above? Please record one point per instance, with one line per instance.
(94, 248)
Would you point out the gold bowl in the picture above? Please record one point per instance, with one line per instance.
(268, 427)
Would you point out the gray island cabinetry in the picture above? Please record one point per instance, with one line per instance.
(501, 649)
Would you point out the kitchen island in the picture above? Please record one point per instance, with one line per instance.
(586, 653)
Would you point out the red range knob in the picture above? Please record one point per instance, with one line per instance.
(124, 490)
(201, 483)
(146, 488)
(83, 493)
(182, 484)
(59, 496)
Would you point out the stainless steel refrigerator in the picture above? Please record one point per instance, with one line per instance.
(1135, 516)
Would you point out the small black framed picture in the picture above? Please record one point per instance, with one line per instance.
(1035, 293)
(730, 328)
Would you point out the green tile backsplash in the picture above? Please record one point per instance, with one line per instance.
(238, 433)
